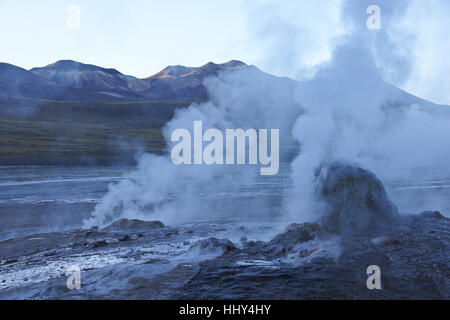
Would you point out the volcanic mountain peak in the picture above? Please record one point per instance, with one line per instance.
(9, 68)
(172, 72)
(12, 74)
(70, 65)
(232, 64)
(77, 75)
(19, 82)
(208, 69)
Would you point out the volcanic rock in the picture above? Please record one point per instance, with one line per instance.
(125, 224)
(355, 200)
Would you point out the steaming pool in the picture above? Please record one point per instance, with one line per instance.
(45, 199)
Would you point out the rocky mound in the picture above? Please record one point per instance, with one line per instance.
(212, 245)
(125, 224)
(355, 200)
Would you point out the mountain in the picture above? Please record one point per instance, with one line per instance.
(70, 113)
(66, 81)
(18, 82)
(69, 80)
(185, 83)
(81, 82)
(85, 77)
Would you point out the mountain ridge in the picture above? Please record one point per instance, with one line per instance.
(106, 117)
(73, 80)
(69, 80)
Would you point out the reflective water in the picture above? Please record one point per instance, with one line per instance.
(35, 199)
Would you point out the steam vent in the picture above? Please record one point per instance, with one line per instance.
(355, 200)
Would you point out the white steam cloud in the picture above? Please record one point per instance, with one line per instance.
(345, 111)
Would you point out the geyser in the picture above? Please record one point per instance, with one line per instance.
(355, 200)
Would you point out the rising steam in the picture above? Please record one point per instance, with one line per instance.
(346, 111)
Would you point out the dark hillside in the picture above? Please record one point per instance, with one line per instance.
(45, 132)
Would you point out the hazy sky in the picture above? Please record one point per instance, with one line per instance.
(136, 37)
(284, 37)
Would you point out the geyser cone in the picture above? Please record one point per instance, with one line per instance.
(355, 200)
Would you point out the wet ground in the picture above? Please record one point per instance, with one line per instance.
(41, 214)
(147, 260)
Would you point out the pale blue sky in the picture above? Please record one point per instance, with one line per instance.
(138, 37)
(282, 37)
